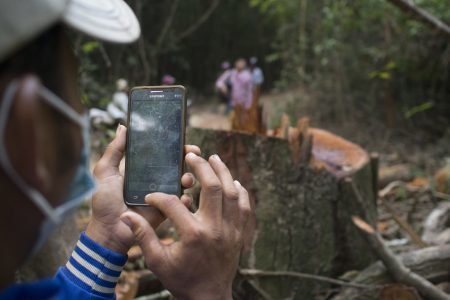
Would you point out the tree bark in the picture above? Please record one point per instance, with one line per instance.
(303, 206)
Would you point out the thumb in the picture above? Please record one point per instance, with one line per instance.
(145, 237)
(108, 164)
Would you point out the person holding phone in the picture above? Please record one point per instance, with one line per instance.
(44, 151)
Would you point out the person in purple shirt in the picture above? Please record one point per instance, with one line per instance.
(241, 80)
(241, 95)
(44, 172)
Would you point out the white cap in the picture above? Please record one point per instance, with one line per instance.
(23, 20)
(121, 84)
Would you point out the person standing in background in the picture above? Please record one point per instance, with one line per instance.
(118, 107)
(224, 87)
(258, 80)
(241, 96)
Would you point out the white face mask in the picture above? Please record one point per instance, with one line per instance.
(82, 184)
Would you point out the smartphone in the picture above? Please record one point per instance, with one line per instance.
(155, 142)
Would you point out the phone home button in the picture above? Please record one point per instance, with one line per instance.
(152, 186)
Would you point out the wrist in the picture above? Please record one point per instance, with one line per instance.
(105, 236)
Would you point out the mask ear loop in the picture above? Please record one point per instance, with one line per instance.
(38, 199)
(54, 101)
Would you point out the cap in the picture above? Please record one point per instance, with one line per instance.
(23, 20)
(121, 84)
(168, 79)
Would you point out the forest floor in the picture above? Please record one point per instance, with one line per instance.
(400, 160)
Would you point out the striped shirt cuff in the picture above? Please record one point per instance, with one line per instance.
(94, 268)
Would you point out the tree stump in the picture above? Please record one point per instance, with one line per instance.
(303, 204)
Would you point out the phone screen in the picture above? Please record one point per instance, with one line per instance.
(155, 142)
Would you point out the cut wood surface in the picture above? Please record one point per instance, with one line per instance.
(303, 206)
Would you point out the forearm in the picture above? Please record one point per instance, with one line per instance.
(93, 269)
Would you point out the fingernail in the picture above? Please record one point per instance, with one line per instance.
(237, 183)
(119, 128)
(194, 181)
(216, 157)
(148, 197)
(190, 155)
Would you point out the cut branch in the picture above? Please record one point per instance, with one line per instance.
(422, 15)
(261, 273)
(395, 266)
(415, 238)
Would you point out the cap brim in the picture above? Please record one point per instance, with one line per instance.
(108, 20)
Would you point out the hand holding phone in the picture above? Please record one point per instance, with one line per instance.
(155, 140)
(206, 254)
(108, 203)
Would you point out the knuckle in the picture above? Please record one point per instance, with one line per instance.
(232, 194)
(197, 160)
(139, 234)
(213, 186)
(196, 235)
(216, 237)
(171, 201)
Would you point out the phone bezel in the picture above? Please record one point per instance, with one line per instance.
(126, 192)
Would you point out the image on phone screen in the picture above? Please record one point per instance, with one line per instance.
(155, 143)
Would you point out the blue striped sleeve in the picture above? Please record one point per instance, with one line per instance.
(94, 268)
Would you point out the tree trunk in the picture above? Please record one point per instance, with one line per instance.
(303, 206)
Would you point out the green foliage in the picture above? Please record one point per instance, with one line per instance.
(358, 53)
(418, 109)
(384, 73)
(90, 46)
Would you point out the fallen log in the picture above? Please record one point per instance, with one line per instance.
(436, 229)
(431, 263)
(398, 270)
(303, 205)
